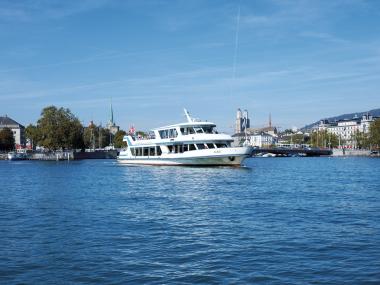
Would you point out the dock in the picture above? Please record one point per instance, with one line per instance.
(293, 151)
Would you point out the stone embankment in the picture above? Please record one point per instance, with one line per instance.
(353, 152)
(67, 155)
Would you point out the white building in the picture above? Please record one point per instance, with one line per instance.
(261, 140)
(258, 139)
(17, 129)
(346, 129)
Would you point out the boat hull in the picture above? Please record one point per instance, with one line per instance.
(16, 156)
(228, 157)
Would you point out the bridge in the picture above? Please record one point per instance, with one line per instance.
(293, 151)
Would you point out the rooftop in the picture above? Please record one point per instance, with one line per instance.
(5, 121)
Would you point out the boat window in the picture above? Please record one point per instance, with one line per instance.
(162, 134)
(210, 145)
(198, 130)
(179, 148)
(170, 147)
(151, 135)
(191, 131)
(146, 151)
(173, 133)
(208, 129)
(201, 146)
(152, 151)
(184, 131)
(159, 151)
(192, 147)
(221, 145)
(133, 151)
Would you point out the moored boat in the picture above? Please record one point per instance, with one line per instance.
(194, 142)
(13, 155)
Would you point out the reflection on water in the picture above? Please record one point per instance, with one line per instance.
(280, 220)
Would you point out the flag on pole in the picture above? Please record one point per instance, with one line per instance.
(132, 130)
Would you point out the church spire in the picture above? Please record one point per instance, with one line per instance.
(111, 114)
(270, 120)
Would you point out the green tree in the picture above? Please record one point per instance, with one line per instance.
(32, 133)
(104, 137)
(89, 136)
(7, 141)
(374, 134)
(362, 140)
(288, 131)
(141, 134)
(59, 129)
(118, 139)
(324, 138)
(96, 137)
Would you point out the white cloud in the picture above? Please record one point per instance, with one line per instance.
(38, 9)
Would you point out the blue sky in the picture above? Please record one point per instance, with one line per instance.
(298, 60)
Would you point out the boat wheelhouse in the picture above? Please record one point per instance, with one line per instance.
(194, 142)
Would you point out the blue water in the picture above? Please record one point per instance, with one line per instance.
(280, 221)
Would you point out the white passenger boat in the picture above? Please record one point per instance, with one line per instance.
(194, 142)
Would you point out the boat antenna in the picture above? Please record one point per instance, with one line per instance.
(187, 114)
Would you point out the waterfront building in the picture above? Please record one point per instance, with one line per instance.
(17, 129)
(257, 137)
(242, 121)
(271, 130)
(262, 139)
(268, 130)
(346, 129)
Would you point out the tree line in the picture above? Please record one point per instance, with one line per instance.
(59, 129)
(370, 140)
(325, 139)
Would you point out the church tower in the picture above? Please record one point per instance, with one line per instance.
(111, 126)
(242, 121)
(238, 124)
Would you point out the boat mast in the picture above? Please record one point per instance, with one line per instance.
(187, 114)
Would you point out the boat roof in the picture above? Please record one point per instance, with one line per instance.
(186, 124)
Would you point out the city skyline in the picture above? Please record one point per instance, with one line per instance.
(297, 60)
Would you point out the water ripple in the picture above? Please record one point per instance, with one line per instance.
(278, 221)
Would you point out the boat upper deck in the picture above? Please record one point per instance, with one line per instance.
(186, 124)
(190, 131)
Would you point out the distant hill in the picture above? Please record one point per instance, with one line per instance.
(374, 112)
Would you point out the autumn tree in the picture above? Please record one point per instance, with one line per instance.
(32, 134)
(59, 129)
(96, 137)
(118, 139)
(374, 133)
(7, 141)
(362, 140)
(324, 138)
